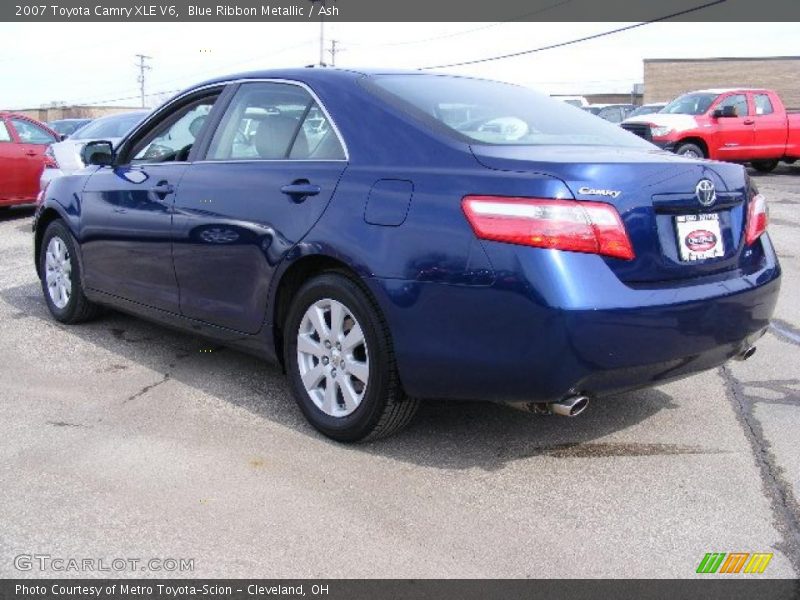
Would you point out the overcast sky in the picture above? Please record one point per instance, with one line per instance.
(95, 62)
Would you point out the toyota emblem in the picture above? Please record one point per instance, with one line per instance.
(705, 192)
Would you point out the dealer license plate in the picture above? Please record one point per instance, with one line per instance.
(699, 236)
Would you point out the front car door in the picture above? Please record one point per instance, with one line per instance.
(32, 141)
(10, 156)
(735, 135)
(127, 209)
(268, 173)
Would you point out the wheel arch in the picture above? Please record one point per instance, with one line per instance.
(292, 279)
(47, 216)
(698, 141)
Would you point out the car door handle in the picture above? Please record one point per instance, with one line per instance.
(300, 189)
(31, 152)
(163, 188)
(748, 121)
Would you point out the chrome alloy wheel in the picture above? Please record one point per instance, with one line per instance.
(58, 272)
(332, 357)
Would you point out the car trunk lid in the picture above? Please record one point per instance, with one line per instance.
(653, 192)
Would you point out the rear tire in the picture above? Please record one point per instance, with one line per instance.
(690, 150)
(61, 277)
(764, 166)
(340, 362)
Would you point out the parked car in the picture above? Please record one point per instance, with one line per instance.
(65, 156)
(66, 127)
(646, 109)
(615, 113)
(579, 101)
(739, 125)
(22, 157)
(534, 255)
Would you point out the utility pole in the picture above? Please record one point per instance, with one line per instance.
(333, 50)
(142, 68)
(322, 38)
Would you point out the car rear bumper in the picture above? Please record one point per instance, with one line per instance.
(529, 338)
(48, 175)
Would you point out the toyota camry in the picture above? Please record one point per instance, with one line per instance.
(392, 236)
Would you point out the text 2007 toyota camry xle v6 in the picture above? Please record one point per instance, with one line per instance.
(390, 237)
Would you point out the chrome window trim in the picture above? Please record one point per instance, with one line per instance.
(223, 84)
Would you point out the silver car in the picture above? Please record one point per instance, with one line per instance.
(67, 154)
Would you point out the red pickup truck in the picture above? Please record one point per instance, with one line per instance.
(738, 125)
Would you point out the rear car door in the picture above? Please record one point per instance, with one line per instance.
(735, 135)
(127, 208)
(32, 140)
(771, 130)
(268, 173)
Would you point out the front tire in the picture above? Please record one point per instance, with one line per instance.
(61, 277)
(340, 362)
(764, 166)
(690, 150)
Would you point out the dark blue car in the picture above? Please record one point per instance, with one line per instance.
(395, 236)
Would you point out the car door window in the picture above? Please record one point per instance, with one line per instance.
(5, 136)
(738, 102)
(275, 121)
(763, 104)
(172, 138)
(30, 133)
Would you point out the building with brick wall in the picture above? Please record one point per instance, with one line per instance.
(667, 78)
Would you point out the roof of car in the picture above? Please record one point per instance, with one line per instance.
(727, 90)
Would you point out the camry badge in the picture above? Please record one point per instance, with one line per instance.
(587, 191)
(705, 192)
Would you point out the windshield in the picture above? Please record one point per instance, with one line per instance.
(645, 110)
(690, 104)
(490, 112)
(115, 126)
(67, 126)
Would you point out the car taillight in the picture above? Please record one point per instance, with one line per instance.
(50, 161)
(756, 218)
(593, 227)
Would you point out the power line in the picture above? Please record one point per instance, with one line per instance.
(464, 31)
(142, 68)
(575, 41)
(194, 75)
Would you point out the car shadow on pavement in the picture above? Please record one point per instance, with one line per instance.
(444, 434)
(17, 213)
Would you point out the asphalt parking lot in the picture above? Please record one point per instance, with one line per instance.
(125, 439)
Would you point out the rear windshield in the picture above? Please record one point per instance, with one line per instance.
(109, 127)
(490, 112)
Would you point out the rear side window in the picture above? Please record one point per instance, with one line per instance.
(4, 135)
(30, 133)
(763, 104)
(738, 102)
(490, 112)
(275, 121)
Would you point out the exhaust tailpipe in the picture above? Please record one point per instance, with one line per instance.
(746, 353)
(571, 406)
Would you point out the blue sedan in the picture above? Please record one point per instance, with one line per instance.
(394, 236)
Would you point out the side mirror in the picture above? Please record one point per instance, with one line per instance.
(726, 112)
(99, 153)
